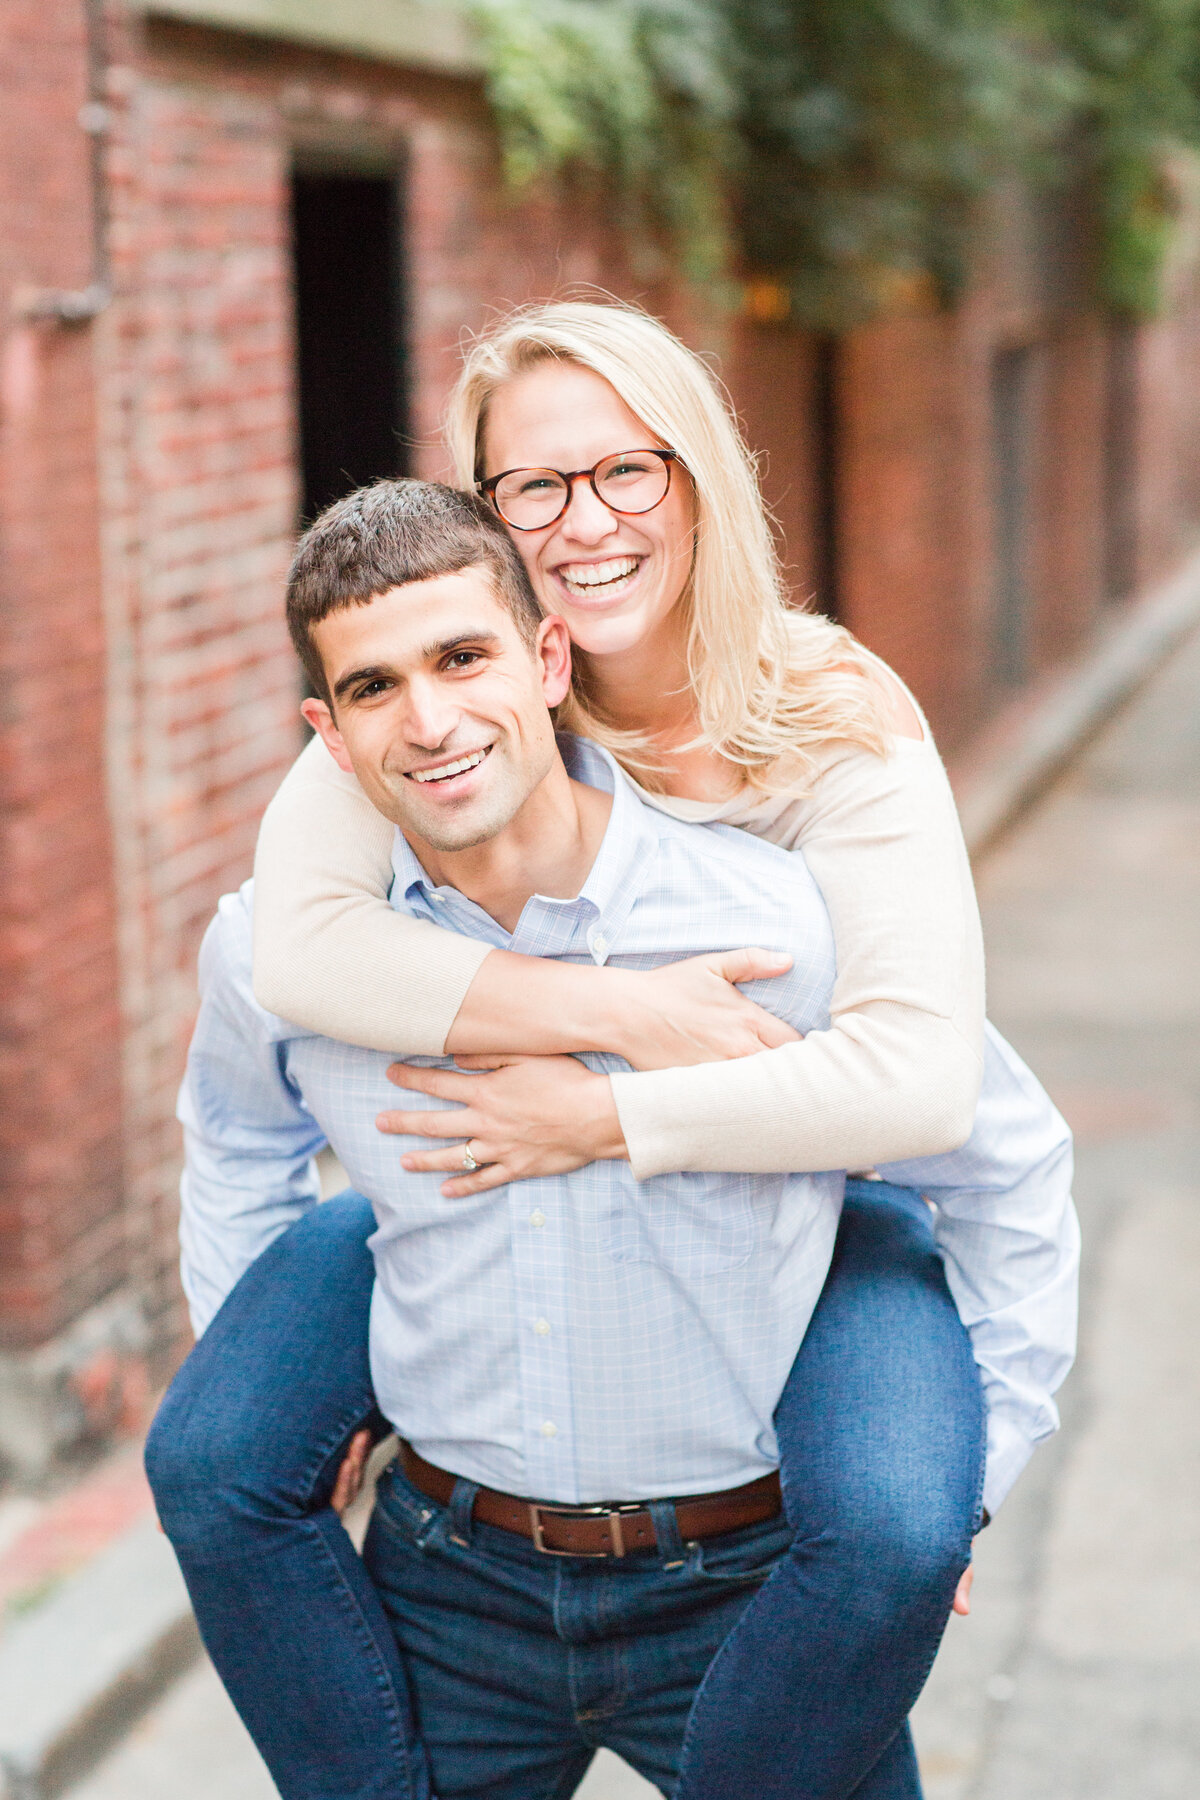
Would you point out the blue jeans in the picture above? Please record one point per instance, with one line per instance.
(524, 1665)
(881, 1440)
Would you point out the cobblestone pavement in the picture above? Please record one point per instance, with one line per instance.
(1078, 1675)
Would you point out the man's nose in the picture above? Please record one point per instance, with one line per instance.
(431, 716)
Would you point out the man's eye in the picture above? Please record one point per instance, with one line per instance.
(462, 659)
(371, 690)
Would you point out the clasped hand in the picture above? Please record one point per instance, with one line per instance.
(521, 1115)
(546, 1115)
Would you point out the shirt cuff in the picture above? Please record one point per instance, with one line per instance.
(1008, 1450)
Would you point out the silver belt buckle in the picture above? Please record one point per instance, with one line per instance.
(611, 1513)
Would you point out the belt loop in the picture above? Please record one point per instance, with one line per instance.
(666, 1531)
(462, 1505)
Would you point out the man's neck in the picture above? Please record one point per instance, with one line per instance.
(549, 848)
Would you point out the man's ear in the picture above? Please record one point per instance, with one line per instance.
(321, 719)
(554, 653)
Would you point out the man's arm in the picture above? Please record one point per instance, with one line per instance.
(1009, 1237)
(249, 1139)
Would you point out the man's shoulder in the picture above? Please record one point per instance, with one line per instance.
(720, 846)
(227, 951)
(728, 852)
(226, 966)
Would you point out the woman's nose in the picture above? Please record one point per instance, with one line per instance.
(587, 519)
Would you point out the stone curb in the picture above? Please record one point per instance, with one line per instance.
(77, 1673)
(1016, 758)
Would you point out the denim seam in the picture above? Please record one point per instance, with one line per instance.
(387, 1689)
(329, 1445)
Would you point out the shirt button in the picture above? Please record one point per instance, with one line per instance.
(549, 1428)
(537, 1218)
(542, 1327)
(599, 945)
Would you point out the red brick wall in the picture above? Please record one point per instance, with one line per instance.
(771, 371)
(61, 1218)
(905, 490)
(200, 490)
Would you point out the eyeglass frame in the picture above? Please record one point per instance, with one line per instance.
(570, 477)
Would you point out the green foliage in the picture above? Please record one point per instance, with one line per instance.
(631, 97)
(1138, 67)
(840, 147)
(871, 129)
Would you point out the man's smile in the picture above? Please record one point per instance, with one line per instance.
(447, 770)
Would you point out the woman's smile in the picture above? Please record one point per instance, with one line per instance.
(599, 583)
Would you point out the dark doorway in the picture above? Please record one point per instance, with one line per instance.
(1012, 512)
(349, 276)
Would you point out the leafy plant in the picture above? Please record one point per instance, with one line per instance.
(839, 148)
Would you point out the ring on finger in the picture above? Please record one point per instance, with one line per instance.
(468, 1161)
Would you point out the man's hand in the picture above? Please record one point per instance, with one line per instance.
(962, 1594)
(348, 1485)
(529, 1115)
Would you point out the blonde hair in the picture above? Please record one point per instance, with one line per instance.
(772, 684)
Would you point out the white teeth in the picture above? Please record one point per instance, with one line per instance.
(447, 769)
(593, 575)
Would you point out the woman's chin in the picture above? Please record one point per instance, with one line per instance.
(600, 637)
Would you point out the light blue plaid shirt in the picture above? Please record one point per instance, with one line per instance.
(589, 1336)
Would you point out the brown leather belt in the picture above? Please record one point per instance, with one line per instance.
(606, 1530)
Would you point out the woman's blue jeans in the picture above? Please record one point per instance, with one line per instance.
(881, 1437)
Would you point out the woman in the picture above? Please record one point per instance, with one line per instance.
(725, 705)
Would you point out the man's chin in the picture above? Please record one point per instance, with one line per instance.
(453, 830)
(446, 842)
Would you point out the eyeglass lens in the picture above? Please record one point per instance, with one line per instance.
(629, 482)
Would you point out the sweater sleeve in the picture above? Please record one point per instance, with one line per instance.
(897, 1073)
(329, 953)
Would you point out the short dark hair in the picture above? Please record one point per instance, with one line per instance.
(387, 535)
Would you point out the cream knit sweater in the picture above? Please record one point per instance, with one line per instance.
(896, 1075)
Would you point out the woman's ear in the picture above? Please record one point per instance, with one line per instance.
(554, 653)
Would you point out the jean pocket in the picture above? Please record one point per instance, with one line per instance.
(403, 1510)
(741, 1558)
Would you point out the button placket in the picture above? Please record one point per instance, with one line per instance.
(544, 1351)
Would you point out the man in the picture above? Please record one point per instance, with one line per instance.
(584, 1365)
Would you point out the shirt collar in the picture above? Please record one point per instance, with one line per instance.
(589, 922)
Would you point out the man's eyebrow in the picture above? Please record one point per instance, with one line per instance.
(447, 646)
(352, 677)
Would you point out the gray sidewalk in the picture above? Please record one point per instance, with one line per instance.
(1077, 1676)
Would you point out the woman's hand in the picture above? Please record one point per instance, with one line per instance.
(528, 1115)
(691, 1012)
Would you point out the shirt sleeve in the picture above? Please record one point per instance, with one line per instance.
(897, 1073)
(1009, 1237)
(249, 1140)
(329, 952)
